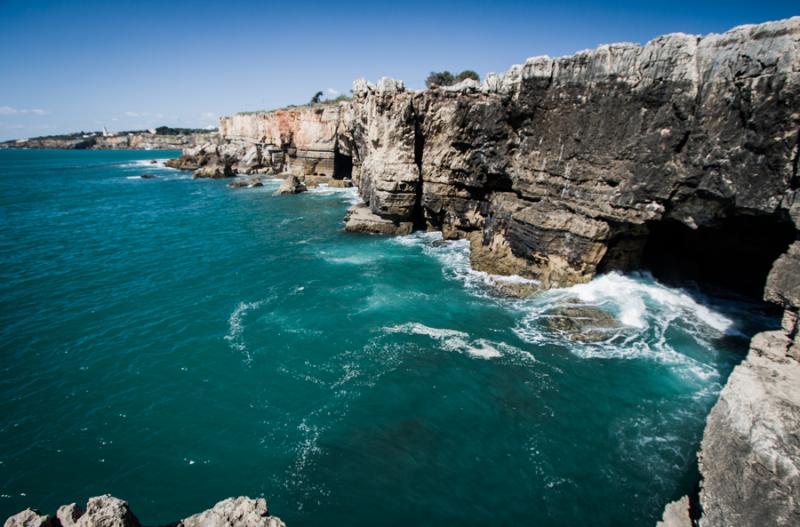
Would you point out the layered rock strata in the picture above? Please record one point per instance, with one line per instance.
(108, 511)
(567, 163)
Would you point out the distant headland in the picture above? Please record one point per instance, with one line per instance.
(161, 138)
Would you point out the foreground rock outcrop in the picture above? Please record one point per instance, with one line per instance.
(108, 511)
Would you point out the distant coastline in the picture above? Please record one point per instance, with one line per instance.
(159, 138)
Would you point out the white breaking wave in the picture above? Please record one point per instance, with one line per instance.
(631, 297)
(646, 310)
(459, 341)
(649, 312)
(349, 193)
(142, 163)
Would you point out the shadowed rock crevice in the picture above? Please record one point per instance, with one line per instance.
(736, 254)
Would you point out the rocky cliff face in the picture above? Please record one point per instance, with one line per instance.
(108, 511)
(565, 165)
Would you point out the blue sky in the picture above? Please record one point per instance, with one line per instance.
(79, 65)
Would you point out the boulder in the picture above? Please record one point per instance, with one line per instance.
(29, 518)
(291, 185)
(106, 511)
(68, 515)
(235, 512)
(214, 171)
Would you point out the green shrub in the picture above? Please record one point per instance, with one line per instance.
(445, 78)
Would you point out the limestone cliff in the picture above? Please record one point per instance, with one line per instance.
(568, 163)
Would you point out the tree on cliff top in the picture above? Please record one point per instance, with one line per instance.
(445, 78)
(317, 97)
(468, 74)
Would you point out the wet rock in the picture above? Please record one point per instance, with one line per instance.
(291, 185)
(246, 183)
(148, 176)
(583, 323)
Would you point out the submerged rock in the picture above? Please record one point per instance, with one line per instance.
(148, 176)
(291, 185)
(245, 183)
(583, 323)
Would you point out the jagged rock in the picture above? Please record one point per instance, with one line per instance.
(29, 518)
(676, 514)
(68, 515)
(750, 455)
(291, 185)
(783, 282)
(108, 511)
(214, 171)
(235, 512)
(360, 219)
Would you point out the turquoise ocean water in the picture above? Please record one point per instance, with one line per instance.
(174, 342)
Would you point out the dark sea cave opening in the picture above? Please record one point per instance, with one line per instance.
(734, 255)
(342, 165)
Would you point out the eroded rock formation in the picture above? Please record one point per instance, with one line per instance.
(108, 511)
(567, 163)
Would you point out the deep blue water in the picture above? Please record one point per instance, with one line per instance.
(174, 342)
